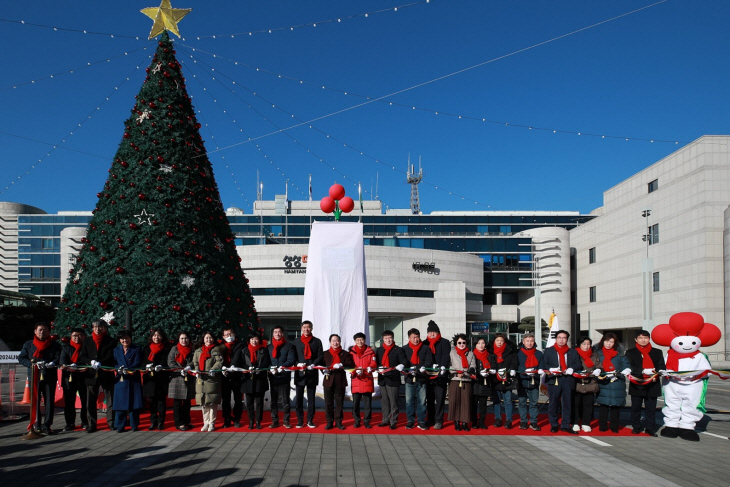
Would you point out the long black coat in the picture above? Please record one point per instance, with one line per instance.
(285, 357)
(442, 358)
(308, 377)
(105, 355)
(396, 357)
(255, 382)
(156, 383)
(509, 362)
(51, 354)
(483, 386)
(67, 353)
(337, 378)
(653, 389)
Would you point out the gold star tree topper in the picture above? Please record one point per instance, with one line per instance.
(165, 17)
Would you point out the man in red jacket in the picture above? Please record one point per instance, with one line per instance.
(362, 383)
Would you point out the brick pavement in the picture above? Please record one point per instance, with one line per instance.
(263, 459)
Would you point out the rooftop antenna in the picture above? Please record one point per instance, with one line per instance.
(376, 185)
(413, 179)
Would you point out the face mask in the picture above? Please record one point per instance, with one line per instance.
(230, 339)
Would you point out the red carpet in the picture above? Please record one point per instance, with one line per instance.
(319, 420)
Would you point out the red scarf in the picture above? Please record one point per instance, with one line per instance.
(252, 349)
(75, 356)
(307, 348)
(673, 359)
(562, 352)
(608, 354)
(386, 358)
(531, 361)
(646, 361)
(586, 356)
(432, 343)
(204, 355)
(360, 350)
(229, 355)
(155, 348)
(40, 346)
(335, 352)
(498, 351)
(415, 349)
(182, 354)
(98, 338)
(483, 357)
(276, 345)
(462, 353)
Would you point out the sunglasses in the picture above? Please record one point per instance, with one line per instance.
(461, 343)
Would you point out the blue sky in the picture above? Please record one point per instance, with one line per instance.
(660, 73)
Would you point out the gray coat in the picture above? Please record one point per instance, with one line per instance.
(209, 390)
(456, 365)
(179, 387)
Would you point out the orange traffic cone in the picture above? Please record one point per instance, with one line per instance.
(26, 393)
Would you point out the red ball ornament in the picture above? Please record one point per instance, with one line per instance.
(346, 204)
(133, 226)
(103, 305)
(169, 234)
(92, 248)
(327, 204)
(198, 256)
(176, 307)
(141, 196)
(337, 192)
(119, 270)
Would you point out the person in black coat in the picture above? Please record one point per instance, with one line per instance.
(255, 383)
(43, 352)
(561, 361)
(232, 381)
(156, 380)
(335, 381)
(389, 355)
(98, 351)
(504, 372)
(282, 354)
(436, 388)
(483, 385)
(419, 358)
(645, 362)
(73, 382)
(309, 353)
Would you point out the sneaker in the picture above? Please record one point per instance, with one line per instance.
(237, 424)
(497, 422)
(274, 425)
(523, 426)
(508, 425)
(438, 426)
(535, 427)
(287, 424)
(422, 426)
(409, 426)
(586, 428)
(300, 424)
(310, 424)
(576, 428)
(69, 427)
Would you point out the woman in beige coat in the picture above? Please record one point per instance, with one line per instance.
(208, 386)
(463, 367)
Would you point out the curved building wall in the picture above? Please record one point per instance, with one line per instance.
(9, 241)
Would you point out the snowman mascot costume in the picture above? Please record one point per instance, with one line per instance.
(684, 397)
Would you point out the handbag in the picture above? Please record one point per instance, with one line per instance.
(588, 387)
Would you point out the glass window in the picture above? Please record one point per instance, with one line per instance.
(653, 186)
(655, 282)
(510, 298)
(592, 255)
(416, 243)
(592, 294)
(490, 298)
(653, 234)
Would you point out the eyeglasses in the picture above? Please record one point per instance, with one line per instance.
(461, 343)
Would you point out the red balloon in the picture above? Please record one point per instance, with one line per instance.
(346, 204)
(327, 204)
(337, 192)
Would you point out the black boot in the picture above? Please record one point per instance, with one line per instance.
(466, 427)
(251, 424)
(457, 426)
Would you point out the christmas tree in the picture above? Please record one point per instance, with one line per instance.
(159, 242)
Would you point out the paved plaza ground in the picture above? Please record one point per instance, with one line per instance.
(170, 458)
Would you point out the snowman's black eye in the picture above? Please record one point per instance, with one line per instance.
(681, 343)
(694, 343)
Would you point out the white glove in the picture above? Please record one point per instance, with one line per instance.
(568, 371)
(555, 370)
(530, 370)
(41, 364)
(250, 369)
(310, 367)
(337, 366)
(122, 369)
(626, 371)
(541, 372)
(648, 371)
(381, 369)
(399, 367)
(50, 364)
(158, 368)
(95, 364)
(511, 373)
(484, 373)
(492, 371)
(301, 365)
(662, 373)
(413, 371)
(272, 370)
(73, 366)
(596, 372)
(211, 374)
(422, 370)
(359, 371)
(148, 366)
(186, 369)
(369, 370)
(225, 372)
(435, 366)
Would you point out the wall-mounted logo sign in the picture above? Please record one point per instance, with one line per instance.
(424, 266)
(294, 264)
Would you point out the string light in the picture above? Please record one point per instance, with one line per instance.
(49, 143)
(312, 24)
(79, 31)
(71, 71)
(78, 125)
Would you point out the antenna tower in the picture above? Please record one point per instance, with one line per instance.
(413, 179)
